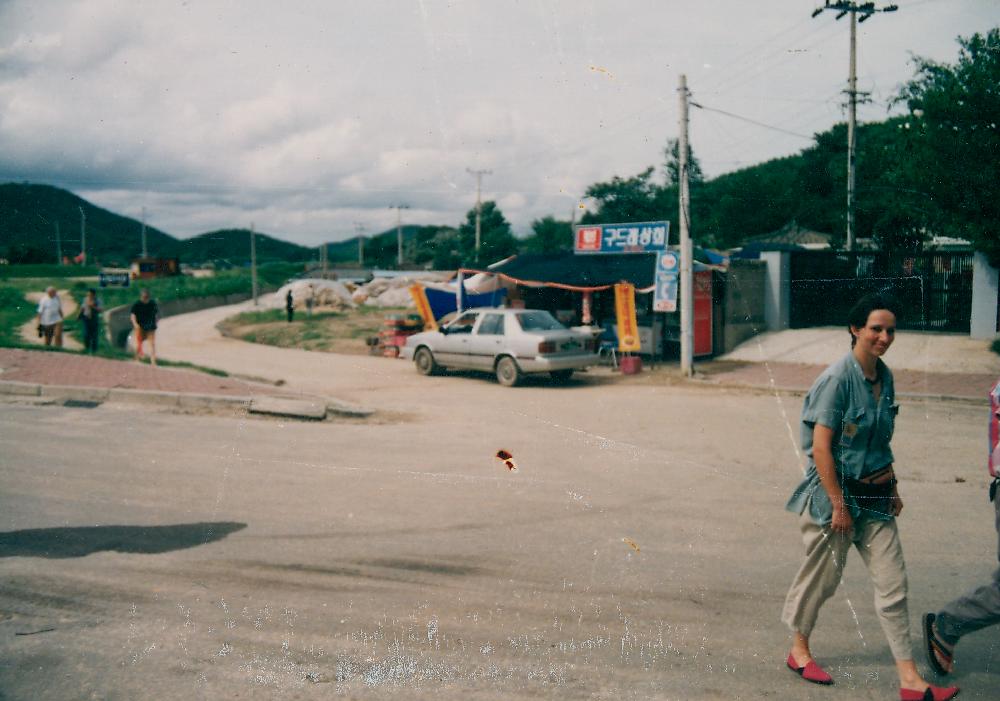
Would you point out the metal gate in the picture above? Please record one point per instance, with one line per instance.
(934, 290)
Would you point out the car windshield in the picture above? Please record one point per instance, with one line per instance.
(538, 320)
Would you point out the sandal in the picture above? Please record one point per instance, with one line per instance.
(939, 653)
(931, 693)
(812, 672)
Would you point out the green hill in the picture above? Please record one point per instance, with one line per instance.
(30, 213)
(232, 247)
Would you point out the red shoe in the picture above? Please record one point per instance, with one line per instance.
(932, 693)
(812, 672)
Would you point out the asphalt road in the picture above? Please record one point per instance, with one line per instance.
(640, 549)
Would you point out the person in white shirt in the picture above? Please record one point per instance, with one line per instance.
(50, 318)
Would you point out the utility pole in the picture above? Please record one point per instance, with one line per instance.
(145, 253)
(253, 264)
(83, 235)
(58, 246)
(684, 213)
(399, 234)
(360, 229)
(866, 10)
(479, 203)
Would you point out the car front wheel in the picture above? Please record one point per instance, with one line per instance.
(424, 360)
(508, 373)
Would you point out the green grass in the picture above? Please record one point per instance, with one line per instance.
(15, 311)
(46, 270)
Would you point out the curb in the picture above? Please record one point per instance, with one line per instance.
(314, 409)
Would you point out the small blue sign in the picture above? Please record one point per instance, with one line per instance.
(105, 279)
(640, 237)
(666, 277)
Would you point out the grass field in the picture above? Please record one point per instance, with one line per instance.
(327, 331)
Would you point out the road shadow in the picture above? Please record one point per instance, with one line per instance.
(80, 541)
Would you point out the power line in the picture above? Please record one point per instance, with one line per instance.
(751, 121)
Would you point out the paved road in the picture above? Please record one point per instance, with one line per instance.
(399, 558)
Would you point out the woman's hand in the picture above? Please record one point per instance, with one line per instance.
(842, 522)
(897, 503)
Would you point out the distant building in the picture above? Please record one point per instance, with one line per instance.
(145, 268)
(794, 235)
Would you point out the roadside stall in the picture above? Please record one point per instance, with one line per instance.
(579, 291)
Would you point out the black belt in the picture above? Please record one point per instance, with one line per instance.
(875, 497)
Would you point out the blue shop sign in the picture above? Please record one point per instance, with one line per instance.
(640, 237)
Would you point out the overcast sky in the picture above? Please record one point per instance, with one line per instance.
(307, 118)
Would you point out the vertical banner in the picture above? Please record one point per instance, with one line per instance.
(628, 330)
(423, 306)
(702, 308)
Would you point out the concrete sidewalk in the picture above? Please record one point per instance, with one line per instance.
(83, 377)
(800, 376)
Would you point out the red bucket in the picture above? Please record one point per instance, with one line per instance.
(630, 364)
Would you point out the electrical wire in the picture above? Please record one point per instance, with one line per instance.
(751, 121)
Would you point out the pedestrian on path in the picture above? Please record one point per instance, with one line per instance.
(980, 607)
(849, 497)
(89, 316)
(50, 318)
(289, 306)
(144, 315)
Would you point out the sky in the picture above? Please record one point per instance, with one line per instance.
(311, 120)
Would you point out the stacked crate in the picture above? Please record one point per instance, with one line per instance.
(395, 330)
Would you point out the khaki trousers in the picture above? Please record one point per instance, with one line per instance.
(878, 544)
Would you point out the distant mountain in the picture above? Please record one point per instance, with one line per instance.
(29, 215)
(233, 246)
(381, 249)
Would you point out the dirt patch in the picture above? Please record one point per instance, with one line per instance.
(343, 332)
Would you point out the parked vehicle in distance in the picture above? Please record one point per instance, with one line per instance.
(508, 342)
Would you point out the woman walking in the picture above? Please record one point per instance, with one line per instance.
(849, 497)
(90, 314)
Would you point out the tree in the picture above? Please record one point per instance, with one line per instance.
(496, 240)
(625, 199)
(954, 141)
(672, 165)
(550, 236)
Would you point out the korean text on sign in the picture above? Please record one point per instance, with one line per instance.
(642, 237)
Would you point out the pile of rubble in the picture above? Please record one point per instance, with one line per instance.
(336, 295)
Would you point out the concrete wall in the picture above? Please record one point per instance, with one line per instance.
(739, 313)
(117, 323)
(777, 292)
(983, 323)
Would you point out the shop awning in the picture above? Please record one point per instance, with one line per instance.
(576, 272)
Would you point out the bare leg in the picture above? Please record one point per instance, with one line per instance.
(909, 677)
(800, 650)
(152, 348)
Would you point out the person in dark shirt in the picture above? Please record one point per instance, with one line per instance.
(289, 306)
(144, 314)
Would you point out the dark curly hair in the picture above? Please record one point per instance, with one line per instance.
(858, 316)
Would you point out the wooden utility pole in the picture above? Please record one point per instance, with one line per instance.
(479, 204)
(866, 10)
(83, 235)
(684, 214)
(253, 264)
(145, 253)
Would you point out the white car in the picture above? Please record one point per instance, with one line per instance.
(507, 342)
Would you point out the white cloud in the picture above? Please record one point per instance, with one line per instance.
(312, 116)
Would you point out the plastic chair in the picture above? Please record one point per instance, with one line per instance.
(609, 346)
